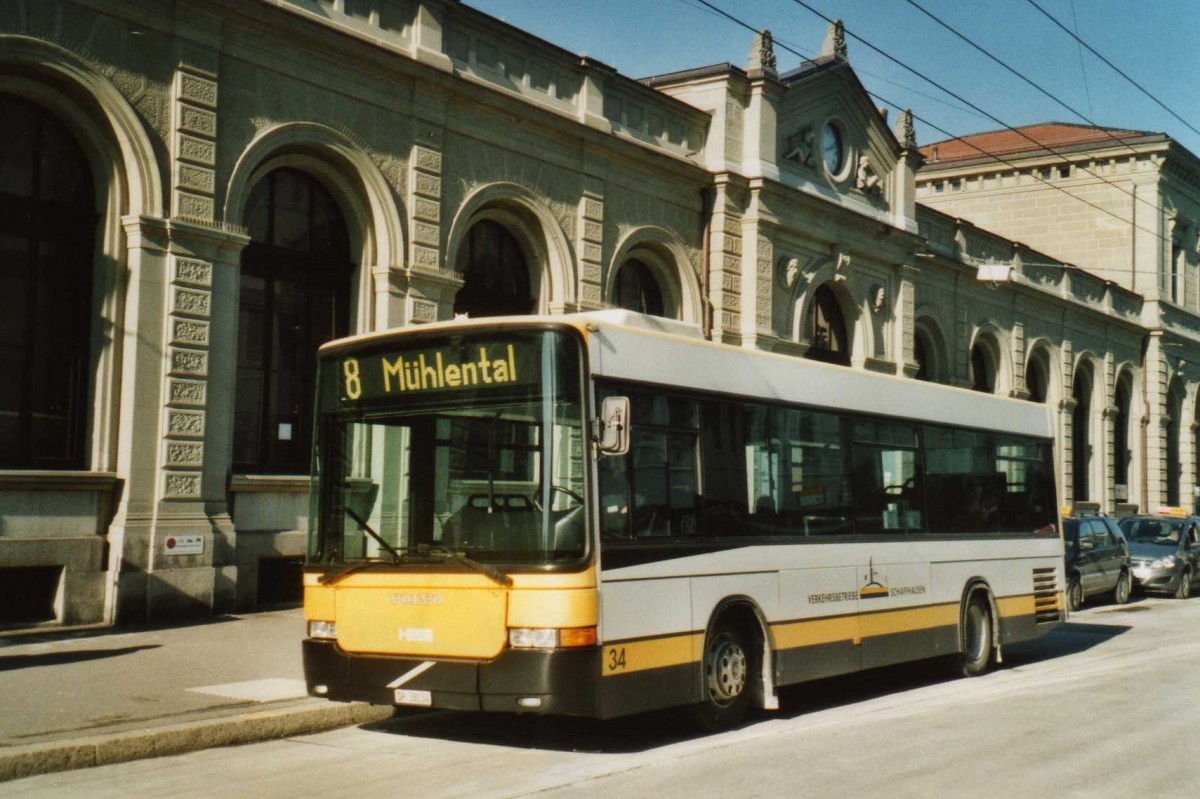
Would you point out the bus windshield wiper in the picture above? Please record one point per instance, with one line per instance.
(349, 568)
(489, 571)
(366, 528)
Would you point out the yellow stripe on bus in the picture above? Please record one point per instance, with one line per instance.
(653, 653)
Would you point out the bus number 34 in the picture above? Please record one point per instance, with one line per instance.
(616, 659)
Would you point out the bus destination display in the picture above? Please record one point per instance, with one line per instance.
(474, 367)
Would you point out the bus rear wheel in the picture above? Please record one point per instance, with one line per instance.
(976, 653)
(728, 665)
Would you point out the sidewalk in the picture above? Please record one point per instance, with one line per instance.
(77, 699)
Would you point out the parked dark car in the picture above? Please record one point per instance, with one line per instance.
(1166, 553)
(1097, 560)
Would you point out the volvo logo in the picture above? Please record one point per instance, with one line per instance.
(415, 599)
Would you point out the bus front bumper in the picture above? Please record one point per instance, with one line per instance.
(563, 682)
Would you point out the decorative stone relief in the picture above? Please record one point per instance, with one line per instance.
(181, 486)
(192, 271)
(189, 301)
(185, 453)
(187, 392)
(591, 234)
(190, 332)
(425, 200)
(867, 179)
(422, 311)
(187, 424)
(801, 147)
(189, 362)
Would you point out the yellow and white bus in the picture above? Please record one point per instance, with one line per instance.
(601, 514)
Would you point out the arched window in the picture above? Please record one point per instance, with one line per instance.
(47, 224)
(921, 354)
(1081, 447)
(983, 369)
(495, 273)
(1121, 455)
(295, 296)
(637, 289)
(1174, 428)
(827, 329)
(1037, 381)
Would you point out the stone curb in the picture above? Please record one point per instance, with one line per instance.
(249, 727)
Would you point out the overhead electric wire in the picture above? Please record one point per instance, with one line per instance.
(1020, 75)
(953, 137)
(1113, 66)
(962, 99)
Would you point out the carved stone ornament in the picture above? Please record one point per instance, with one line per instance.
(905, 131)
(762, 53)
(789, 272)
(867, 179)
(801, 147)
(841, 268)
(878, 297)
(835, 40)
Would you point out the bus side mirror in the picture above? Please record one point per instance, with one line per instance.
(612, 434)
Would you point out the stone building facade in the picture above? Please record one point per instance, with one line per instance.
(1121, 208)
(205, 190)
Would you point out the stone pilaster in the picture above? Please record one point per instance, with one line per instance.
(906, 334)
(193, 179)
(425, 230)
(591, 247)
(725, 265)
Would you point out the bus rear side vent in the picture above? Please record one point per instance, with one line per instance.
(1045, 595)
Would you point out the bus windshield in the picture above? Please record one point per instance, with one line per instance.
(465, 445)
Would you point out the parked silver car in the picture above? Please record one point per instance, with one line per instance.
(1165, 553)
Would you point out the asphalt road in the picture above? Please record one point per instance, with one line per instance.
(1105, 706)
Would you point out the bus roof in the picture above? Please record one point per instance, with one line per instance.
(646, 349)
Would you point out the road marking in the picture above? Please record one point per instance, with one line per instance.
(271, 689)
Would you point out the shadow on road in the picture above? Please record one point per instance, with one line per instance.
(14, 662)
(653, 730)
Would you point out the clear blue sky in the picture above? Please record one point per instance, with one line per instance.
(1152, 41)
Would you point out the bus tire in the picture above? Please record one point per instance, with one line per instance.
(976, 632)
(728, 666)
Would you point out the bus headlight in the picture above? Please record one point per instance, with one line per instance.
(551, 638)
(322, 629)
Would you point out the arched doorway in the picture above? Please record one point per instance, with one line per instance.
(47, 254)
(826, 329)
(495, 273)
(295, 296)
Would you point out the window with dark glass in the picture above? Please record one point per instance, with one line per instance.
(1121, 438)
(651, 492)
(47, 223)
(921, 356)
(827, 329)
(1035, 380)
(1174, 431)
(495, 273)
(638, 290)
(1081, 445)
(983, 376)
(295, 296)
(886, 474)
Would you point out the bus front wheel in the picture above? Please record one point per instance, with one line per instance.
(976, 653)
(728, 665)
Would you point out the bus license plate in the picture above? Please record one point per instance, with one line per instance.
(405, 696)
